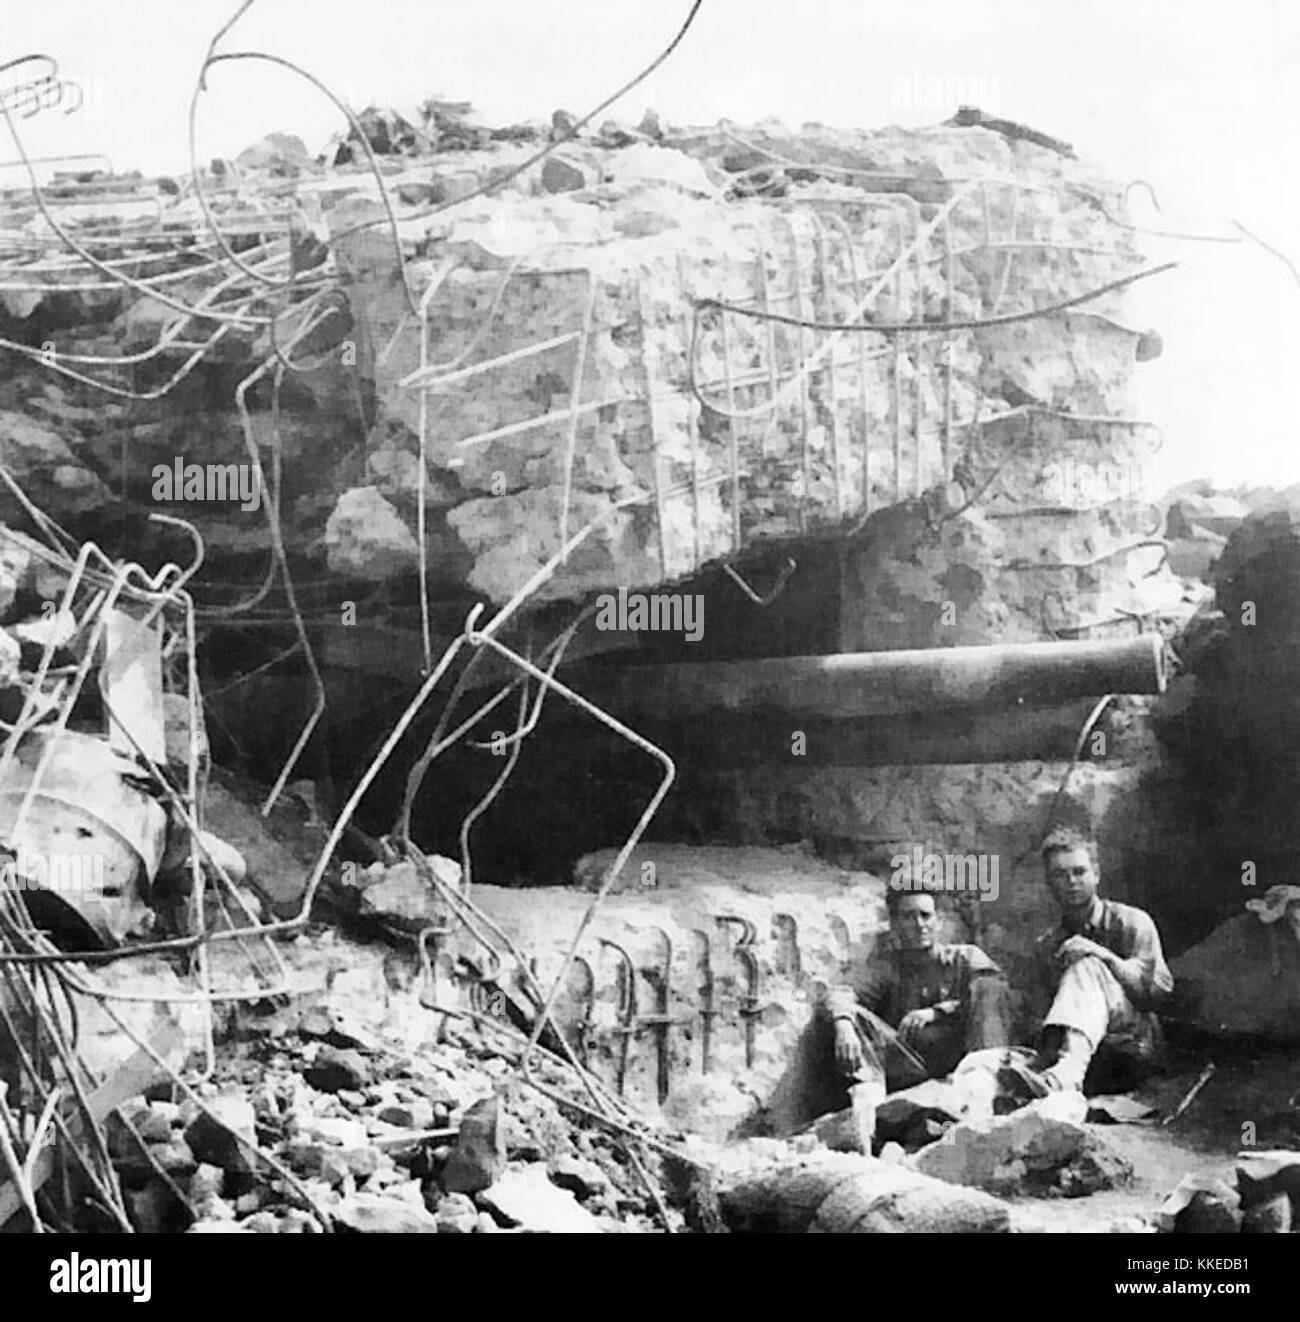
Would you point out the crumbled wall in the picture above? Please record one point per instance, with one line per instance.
(770, 1067)
(927, 457)
(782, 421)
(574, 383)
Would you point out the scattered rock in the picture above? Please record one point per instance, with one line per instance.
(561, 175)
(644, 163)
(651, 126)
(580, 1177)
(479, 1156)
(212, 1137)
(280, 154)
(365, 537)
(527, 1198)
(838, 1131)
(416, 1114)
(207, 1182)
(336, 1070)
(297, 1222)
(214, 1209)
(175, 1156)
(362, 1163)
(339, 1130)
(376, 1214)
(457, 1215)
(1026, 1151)
(152, 1126)
(399, 895)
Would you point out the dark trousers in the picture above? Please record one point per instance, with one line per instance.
(984, 1020)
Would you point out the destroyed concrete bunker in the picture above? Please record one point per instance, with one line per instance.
(828, 384)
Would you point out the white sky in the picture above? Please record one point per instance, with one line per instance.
(1200, 98)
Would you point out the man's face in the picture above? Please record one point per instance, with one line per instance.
(1072, 878)
(915, 922)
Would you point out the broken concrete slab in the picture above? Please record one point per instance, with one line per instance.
(398, 894)
(840, 1132)
(365, 537)
(526, 1198)
(376, 1214)
(579, 1176)
(214, 1134)
(1034, 1149)
(563, 174)
(479, 1157)
(337, 1069)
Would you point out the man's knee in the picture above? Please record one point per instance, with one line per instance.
(1087, 968)
(940, 1047)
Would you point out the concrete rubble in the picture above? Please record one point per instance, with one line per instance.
(573, 384)
(1044, 1146)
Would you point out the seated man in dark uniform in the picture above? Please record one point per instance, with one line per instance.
(1107, 976)
(943, 1000)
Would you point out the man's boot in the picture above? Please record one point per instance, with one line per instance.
(1065, 1073)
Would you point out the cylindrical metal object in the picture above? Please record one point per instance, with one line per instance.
(887, 683)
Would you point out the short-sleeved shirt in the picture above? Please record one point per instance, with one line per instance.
(1129, 933)
(903, 981)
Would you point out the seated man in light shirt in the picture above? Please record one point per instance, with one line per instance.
(1106, 971)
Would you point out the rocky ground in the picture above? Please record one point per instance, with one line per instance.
(381, 1116)
(377, 1137)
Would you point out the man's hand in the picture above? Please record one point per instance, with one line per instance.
(909, 1029)
(1080, 947)
(848, 1049)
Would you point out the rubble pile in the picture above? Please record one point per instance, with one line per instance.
(1042, 1148)
(379, 1140)
(696, 989)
